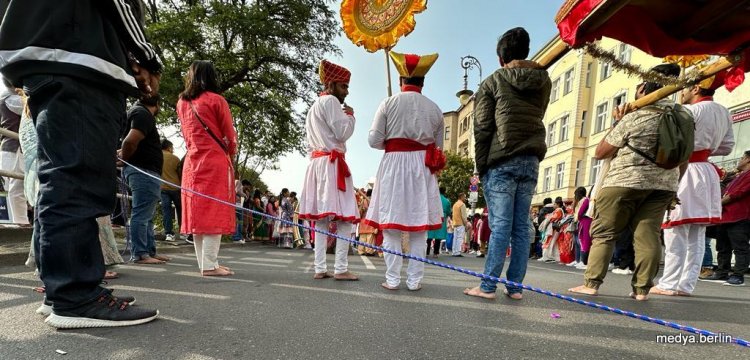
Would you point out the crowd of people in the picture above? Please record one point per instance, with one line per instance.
(74, 173)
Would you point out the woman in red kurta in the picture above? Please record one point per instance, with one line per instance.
(211, 144)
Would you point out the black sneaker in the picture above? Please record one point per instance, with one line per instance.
(735, 280)
(716, 277)
(189, 239)
(46, 308)
(106, 311)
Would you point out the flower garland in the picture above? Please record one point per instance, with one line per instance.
(688, 78)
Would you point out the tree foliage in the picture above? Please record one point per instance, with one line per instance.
(266, 52)
(456, 175)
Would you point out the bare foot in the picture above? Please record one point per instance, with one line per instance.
(109, 275)
(217, 272)
(682, 293)
(225, 268)
(149, 261)
(346, 276)
(476, 291)
(638, 297)
(323, 275)
(658, 291)
(161, 257)
(514, 296)
(584, 290)
(385, 286)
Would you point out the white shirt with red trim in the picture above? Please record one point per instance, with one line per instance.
(406, 195)
(328, 128)
(699, 191)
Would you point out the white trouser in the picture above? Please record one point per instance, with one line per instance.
(458, 239)
(13, 161)
(207, 251)
(341, 265)
(685, 246)
(393, 263)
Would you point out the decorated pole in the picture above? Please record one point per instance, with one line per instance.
(379, 24)
(388, 70)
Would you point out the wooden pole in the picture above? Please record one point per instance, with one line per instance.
(711, 70)
(388, 70)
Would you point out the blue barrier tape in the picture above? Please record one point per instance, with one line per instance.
(673, 325)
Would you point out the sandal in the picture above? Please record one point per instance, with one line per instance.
(109, 275)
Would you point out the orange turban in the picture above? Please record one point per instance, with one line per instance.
(330, 72)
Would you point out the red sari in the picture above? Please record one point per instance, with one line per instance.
(207, 168)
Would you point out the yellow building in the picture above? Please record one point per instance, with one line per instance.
(584, 93)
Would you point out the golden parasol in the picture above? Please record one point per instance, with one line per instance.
(379, 24)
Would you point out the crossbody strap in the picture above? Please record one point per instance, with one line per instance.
(208, 130)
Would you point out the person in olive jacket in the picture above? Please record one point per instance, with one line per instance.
(509, 144)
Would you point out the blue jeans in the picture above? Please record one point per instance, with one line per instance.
(708, 257)
(169, 197)
(577, 248)
(146, 194)
(508, 188)
(78, 125)
(238, 235)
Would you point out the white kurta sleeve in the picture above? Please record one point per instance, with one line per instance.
(439, 132)
(727, 143)
(376, 137)
(342, 124)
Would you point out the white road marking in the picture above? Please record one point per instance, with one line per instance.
(168, 292)
(142, 268)
(255, 263)
(219, 278)
(368, 264)
(280, 261)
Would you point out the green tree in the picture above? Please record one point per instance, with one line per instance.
(456, 175)
(266, 52)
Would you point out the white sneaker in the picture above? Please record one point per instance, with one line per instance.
(574, 263)
(581, 266)
(240, 241)
(169, 238)
(622, 271)
(610, 267)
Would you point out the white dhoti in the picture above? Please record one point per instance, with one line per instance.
(415, 269)
(685, 229)
(458, 239)
(341, 264)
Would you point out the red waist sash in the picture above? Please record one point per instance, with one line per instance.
(702, 156)
(342, 169)
(434, 158)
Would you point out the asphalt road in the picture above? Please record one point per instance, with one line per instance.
(272, 309)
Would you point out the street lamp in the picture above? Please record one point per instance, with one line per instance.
(468, 62)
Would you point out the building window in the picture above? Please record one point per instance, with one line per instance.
(464, 125)
(568, 84)
(564, 128)
(551, 134)
(617, 101)
(560, 177)
(596, 166)
(606, 71)
(583, 123)
(589, 66)
(547, 179)
(579, 163)
(447, 133)
(623, 53)
(555, 94)
(601, 118)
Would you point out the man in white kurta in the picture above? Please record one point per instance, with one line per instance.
(699, 193)
(406, 199)
(328, 192)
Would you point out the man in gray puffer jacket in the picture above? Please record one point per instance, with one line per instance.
(509, 142)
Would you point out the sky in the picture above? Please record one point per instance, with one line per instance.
(451, 28)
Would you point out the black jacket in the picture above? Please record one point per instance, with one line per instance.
(87, 39)
(510, 106)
